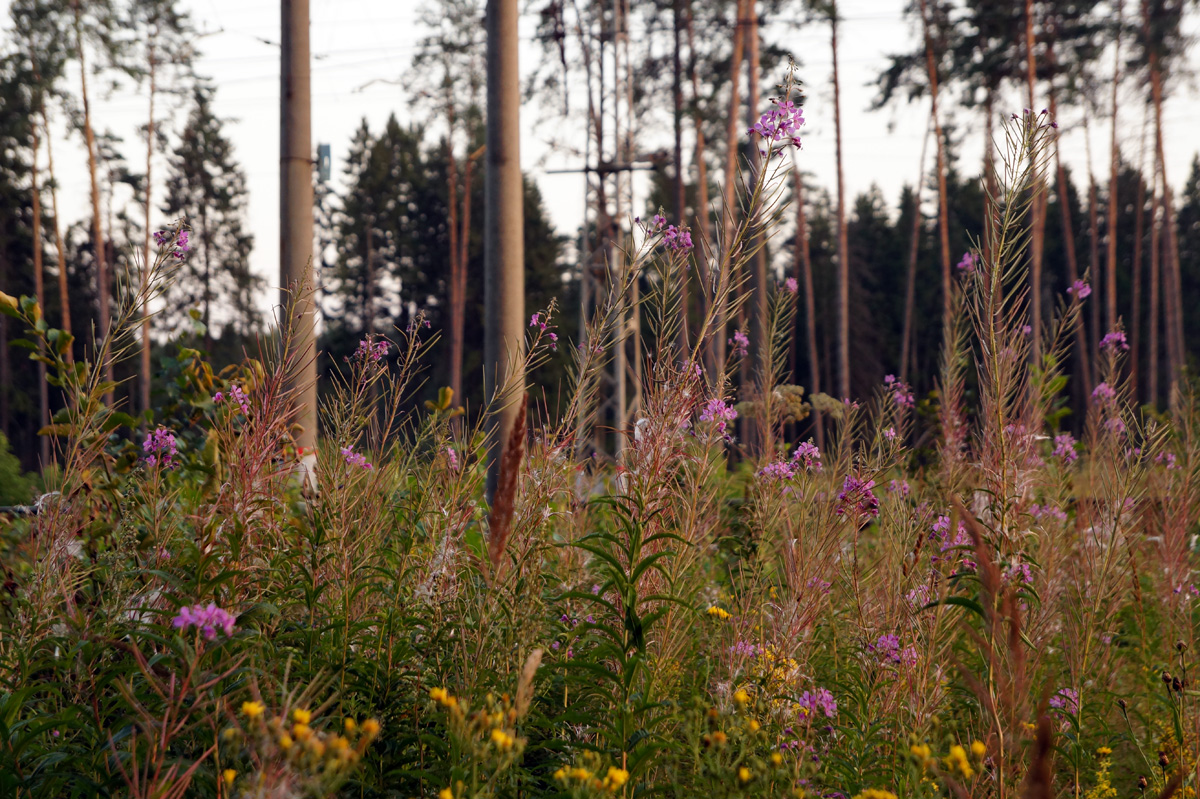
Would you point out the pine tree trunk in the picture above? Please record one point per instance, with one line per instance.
(680, 199)
(1110, 293)
(910, 281)
(843, 247)
(145, 385)
(64, 295)
(456, 300)
(39, 289)
(1068, 228)
(1038, 204)
(989, 173)
(943, 209)
(758, 362)
(802, 264)
(703, 212)
(729, 203)
(1173, 305)
(102, 291)
(1152, 351)
(1094, 271)
(1139, 232)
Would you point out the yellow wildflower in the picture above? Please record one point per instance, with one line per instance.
(253, 710)
(560, 775)
(744, 774)
(370, 727)
(957, 761)
(741, 697)
(445, 793)
(978, 749)
(503, 740)
(302, 732)
(1103, 751)
(301, 716)
(350, 725)
(719, 613)
(753, 725)
(776, 759)
(580, 773)
(875, 793)
(615, 778)
(230, 775)
(285, 742)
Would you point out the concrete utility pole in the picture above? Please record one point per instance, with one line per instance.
(296, 221)
(504, 227)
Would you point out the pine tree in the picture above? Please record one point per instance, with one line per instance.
(207, 189)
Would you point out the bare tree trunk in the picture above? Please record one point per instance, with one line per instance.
(943, 209)
(1139, 232)
(39, 289)
(457, 305)
(64, 295)
(1110, 294)
(910, 281)
(1152, 353)
(1038, 205)
(989, 173)
(1173, 307)
(1094, 270)
(1068, 227)
(102, 290)
(843, 286)
(680, 198)
(759, 366)
(504, 251)
(803, 265)
(703, 212)
(729, 203)
(145, 385)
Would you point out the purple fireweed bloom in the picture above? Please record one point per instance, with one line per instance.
(160, 447)
(1019, 572)
(888, 651)
(373, 351)
(777, 471)
(1064, 447)
(740, 343)
(744, 649)
(900, 486)
(1114, 340)
(208, 620)
(1103, 393)
(780, 124)
(452, 459)
(1044, 511)
(821, 699)
(968, 263)
(237, 395)
(1080, 289)
(355, 459)
(1066, 700)
(717, 411)
(808, 454)
(791, 286)
(1167, 459)
(857, 493)
(677, 240)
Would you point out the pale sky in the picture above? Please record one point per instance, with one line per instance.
(355, 42)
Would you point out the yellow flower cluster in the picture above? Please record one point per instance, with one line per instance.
(875, 793)
(719, 613)
(957, 761)
(613, 780)
(443, 697)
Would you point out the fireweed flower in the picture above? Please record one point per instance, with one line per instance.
(791, 286)
(779, 125)
(717, 411)
(355, 458)
(740, 343)
(808, 454)
(1080, 289)
(1114, 340)
(888, 651)
(777, 471)
(1064, 447)
(1103, 394)
(1066, 701)
(164, 237)
(159, 447)
(677, 239)
(237, 395)
(901, 393)
(968, 263)
(372, 351)
(857, 494)
(452, 459)
(810, 702)
(208, 620)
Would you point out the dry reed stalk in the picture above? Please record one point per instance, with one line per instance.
(504, 503)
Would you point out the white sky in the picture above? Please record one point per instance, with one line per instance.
(355, 42)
